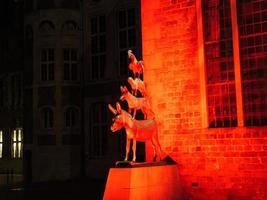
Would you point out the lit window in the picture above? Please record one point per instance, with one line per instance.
(70, 64)
(47, 64)
(1, 144)
(98, 132)
(127, 37)
(98, 47)
(17, 145)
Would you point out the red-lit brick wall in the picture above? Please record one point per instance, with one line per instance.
(219, 163)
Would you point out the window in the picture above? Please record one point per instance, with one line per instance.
(1, 144)
(221, 96)
(17, 137)
(127, 37)
(252, 20)
(48, 118)
(71, 118)
(16, 89)
(70, 64)
(98, 132)
(98, 47)
(47, 64)
(46, 27)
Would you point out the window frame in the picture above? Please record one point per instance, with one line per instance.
(17, 143)
(47, 64)
(47, 118)
(70, 64)
(98, 42)
(97, 137)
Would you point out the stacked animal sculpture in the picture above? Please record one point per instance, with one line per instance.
(137, 130)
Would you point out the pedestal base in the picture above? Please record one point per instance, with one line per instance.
(141, 183)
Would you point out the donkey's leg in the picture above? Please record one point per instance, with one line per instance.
(157, 147)
(134, 113)
(134, 150)
(128, 142)
(154, 151)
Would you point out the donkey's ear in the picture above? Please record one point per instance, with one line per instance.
(125, 88)
(118, 106)
(121, 88)
(113, 110)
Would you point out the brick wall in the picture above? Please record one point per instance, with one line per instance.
(221, 163)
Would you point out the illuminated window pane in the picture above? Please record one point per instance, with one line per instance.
(14, 148)
(19, 149)
(17, 145)
(1, 144)
(14, 136)
(1, 136)
(1, 150)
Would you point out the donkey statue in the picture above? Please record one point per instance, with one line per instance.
(137, 130)
(137, 84)
(136, 66)
(135, 103)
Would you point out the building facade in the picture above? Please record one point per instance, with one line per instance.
(52, 90)
(206, 69)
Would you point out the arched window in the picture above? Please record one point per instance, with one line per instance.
(71, 117)
(46, 26)
(48, 118)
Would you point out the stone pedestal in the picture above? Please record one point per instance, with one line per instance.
(143, 181)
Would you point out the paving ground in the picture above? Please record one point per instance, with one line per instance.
(67, 190)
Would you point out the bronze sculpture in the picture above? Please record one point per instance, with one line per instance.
(136, 130)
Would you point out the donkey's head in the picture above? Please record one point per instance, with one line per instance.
(124, 92)
(118, 120)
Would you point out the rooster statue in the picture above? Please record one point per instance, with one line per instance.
(136, 66)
